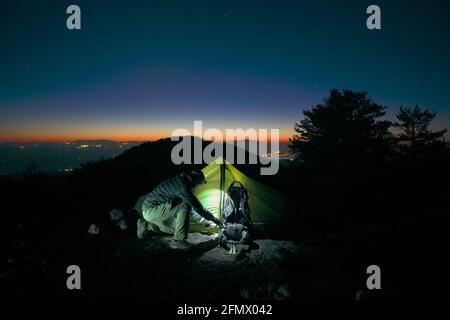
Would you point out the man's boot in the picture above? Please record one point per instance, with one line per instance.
(179, 244)
(152, 228)
(141, 228)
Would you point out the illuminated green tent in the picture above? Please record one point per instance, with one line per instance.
(267, 206)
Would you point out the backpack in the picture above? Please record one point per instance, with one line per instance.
(237, 223)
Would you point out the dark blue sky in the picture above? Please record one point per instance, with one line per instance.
(139, 69)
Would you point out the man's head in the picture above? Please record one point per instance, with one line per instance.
(196, 177)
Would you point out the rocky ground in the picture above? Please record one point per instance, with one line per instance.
(150, 269)
(115, 264)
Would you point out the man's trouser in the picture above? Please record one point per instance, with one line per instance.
(170, 218)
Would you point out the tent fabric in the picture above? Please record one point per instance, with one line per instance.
(267, 206)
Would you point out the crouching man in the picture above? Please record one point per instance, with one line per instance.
(168, 208)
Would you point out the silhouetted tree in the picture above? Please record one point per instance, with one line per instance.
(416, 137)
(344, 130)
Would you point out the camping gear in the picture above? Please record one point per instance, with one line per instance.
(237, 223)
(267, 205)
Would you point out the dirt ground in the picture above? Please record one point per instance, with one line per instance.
(115, 264)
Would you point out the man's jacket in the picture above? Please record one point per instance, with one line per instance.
(176, 189)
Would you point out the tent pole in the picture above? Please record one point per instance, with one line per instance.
(222, 187)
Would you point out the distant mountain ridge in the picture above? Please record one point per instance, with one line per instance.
(66, 156)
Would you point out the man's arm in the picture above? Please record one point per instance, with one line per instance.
(202, 220)
(187, 196)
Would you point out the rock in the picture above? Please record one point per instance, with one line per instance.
(245, 293)
(282, 293)
(116, 215)
(270, 288)
(122, 224)
(93, 229)
(360, 295)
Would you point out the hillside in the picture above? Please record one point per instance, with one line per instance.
(322, 252)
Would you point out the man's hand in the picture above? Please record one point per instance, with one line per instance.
(212, 224)
(217, 222)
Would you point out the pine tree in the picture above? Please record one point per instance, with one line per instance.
(416, 137)
(343, 130)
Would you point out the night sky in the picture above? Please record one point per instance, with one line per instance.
(139, 69)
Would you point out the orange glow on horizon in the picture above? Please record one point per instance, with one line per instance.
(284, 138)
